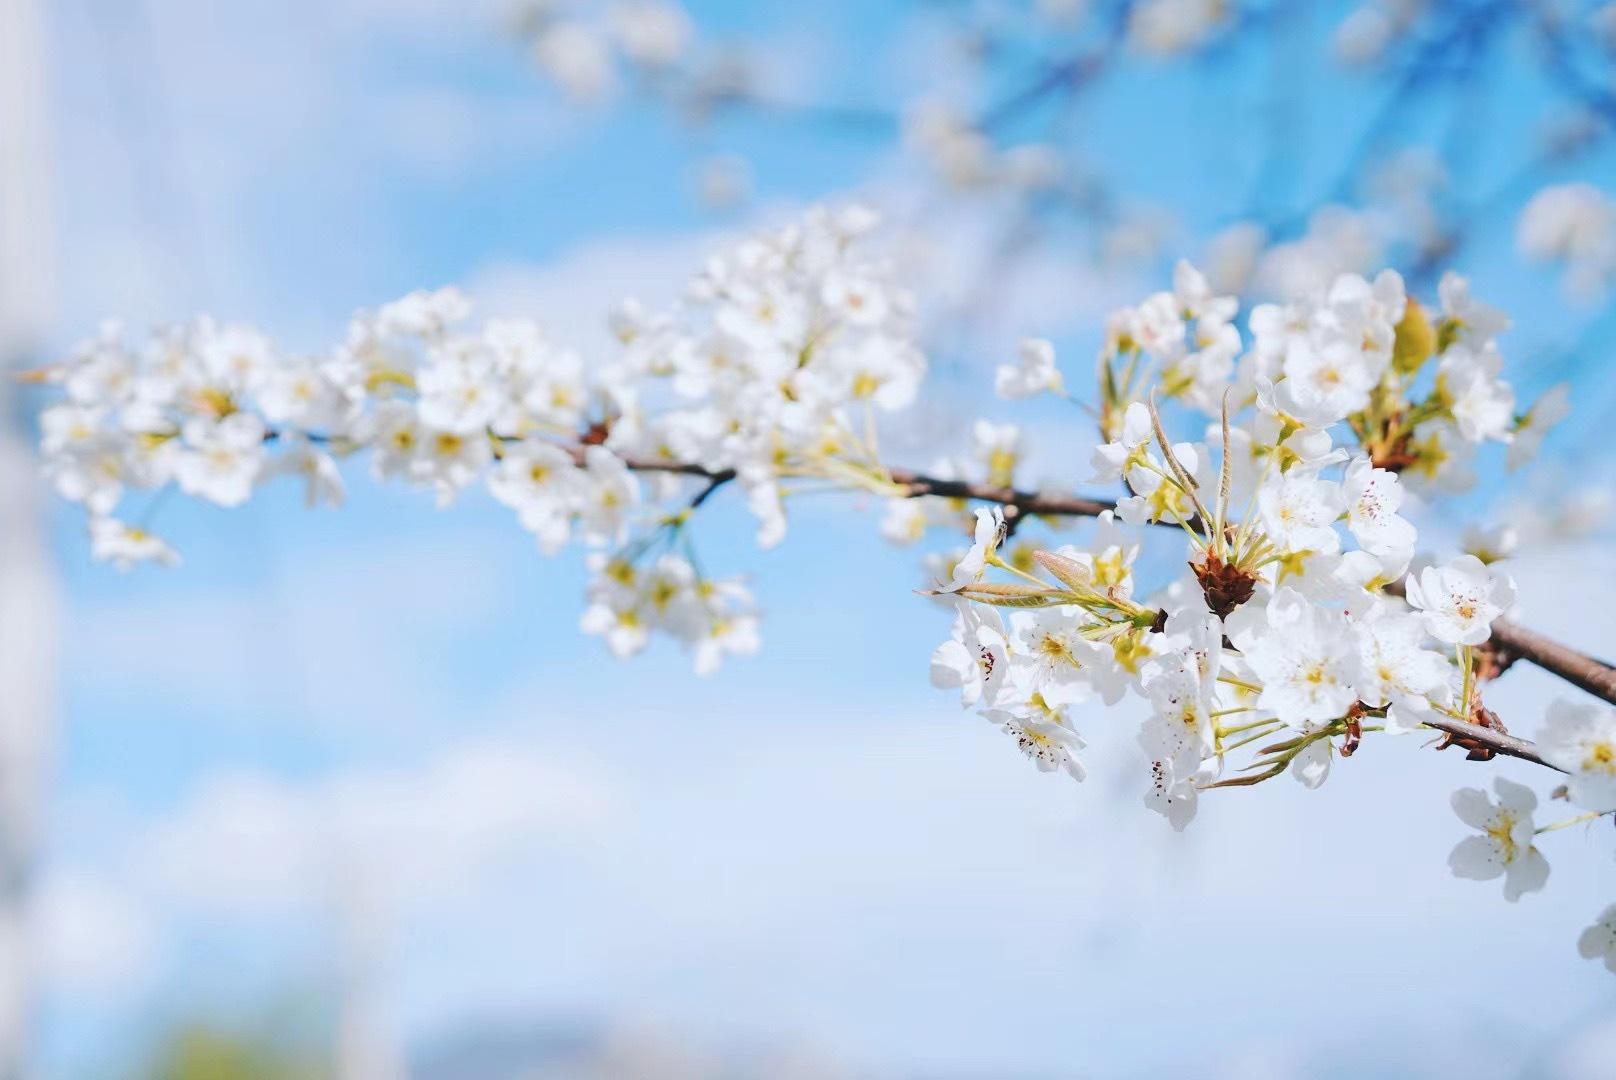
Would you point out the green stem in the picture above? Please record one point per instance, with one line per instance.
(1592, 815)
(1253, 737)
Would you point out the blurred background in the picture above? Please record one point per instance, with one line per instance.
(349, 796)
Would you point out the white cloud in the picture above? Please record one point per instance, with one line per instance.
(201, 145)
(334, 638)
(1586, 1053)
(435, 17)
(92, 938)
(242, 842)
(247, 843)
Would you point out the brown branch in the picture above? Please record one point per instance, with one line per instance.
(1578, 669)
(1594, 676)
(915, 485)
(1590, 674)
(683, 468)
(1516, 642)
(1025, 503)
(1491, 738)
(713, 484)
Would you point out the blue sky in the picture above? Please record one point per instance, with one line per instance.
(813, 847)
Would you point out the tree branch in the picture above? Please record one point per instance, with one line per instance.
(1590, 674)
(1586, 672)
(915, 485)
(1492, 739)
(1023, 502)
(1583, 671)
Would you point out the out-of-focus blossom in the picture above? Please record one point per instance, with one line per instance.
(1573, 225)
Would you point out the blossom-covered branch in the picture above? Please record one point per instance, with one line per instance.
(1516, 642)
(1290, 622)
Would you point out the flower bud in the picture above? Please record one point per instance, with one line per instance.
(1415, 341)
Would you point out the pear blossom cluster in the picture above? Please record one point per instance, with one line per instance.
(1421, 391)
(787, 350)
(1308, 660)
(1281, 628)
(216, 410)
(1302, 620)
(771, 372)
(628, 601)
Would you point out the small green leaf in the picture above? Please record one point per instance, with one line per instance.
(1008, 594)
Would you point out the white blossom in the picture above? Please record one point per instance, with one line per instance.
(1553, 407)
(1113, 459)
(1060, 661)
(610, 493)
(1031, 715)
(458, 390)
(1504, 847)
(653, 33)
(905, 521)
(1034, 372)
(1177, 741)
(988, 534)
(1575, 225)
(975, 659)
(124, 546)
(578, 58)
(1394, 669)
(1050, 745)
(1299, 512)
(542, 484)
(322, 480)
(450, 461)
(1474, 324)
(1460, 599)
(1373, 498)
(222, 459)
(1482, 404)
(999, 448)
(1580, 738)
(1598, 942)
(1305, 658)
(1491, 545)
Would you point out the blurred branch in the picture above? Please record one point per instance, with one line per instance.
(1068, 76)
(1561, 68)
(852, 118)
